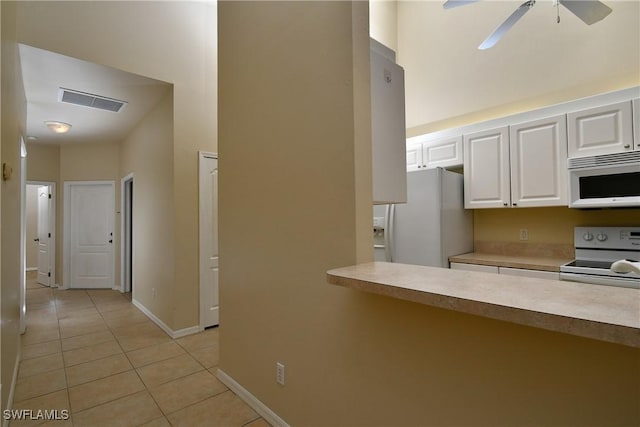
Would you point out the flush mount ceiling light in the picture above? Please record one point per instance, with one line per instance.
(58, 127)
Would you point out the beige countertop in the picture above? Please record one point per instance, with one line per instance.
(514, 261)
(604, 313)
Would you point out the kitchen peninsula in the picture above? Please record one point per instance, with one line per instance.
(604, 313)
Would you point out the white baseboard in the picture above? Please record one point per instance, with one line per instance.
(173, 334)
(14, 380)
(263, 410)
(186, 331)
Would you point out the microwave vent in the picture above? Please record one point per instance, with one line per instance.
(84, 99)
(628, 157)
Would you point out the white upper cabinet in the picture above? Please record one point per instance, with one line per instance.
(444, 152)
(601, 130)
(414, 157)
(388, 129)
(538, 156)
(486, 169)
(522, 165)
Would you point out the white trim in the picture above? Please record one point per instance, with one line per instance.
(123, 287)
(173, 334)
(186, 331)
(22, 324)
(263, 410)
(52, 226)
(14, 380)
(539, 113)
(202, 259)
(66, 250)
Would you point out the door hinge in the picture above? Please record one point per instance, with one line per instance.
(49, 274)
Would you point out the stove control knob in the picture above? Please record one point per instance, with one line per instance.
(587, 236)
(601, 237)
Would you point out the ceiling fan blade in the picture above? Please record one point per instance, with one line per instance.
(506, 25)
(589, 11)
(449, 4)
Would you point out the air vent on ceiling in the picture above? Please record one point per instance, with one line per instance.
(90, 100)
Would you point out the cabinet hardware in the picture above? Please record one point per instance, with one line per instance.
(506, 204)
(627, 146)
(515, 204)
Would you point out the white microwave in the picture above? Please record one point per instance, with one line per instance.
(605, 181)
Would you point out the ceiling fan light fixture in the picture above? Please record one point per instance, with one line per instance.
(58, 127)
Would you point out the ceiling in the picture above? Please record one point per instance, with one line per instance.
(45, 72)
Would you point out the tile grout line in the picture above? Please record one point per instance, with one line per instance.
(66, 380)
(183, 346)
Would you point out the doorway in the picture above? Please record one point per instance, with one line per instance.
(40, 236)
(208, 212)
(126, 233)
(88, 234)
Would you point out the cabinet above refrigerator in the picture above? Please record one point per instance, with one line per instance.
(388, 129)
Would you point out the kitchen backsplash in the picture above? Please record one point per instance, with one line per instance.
(544, 225)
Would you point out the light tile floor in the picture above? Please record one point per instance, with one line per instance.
(96, 355)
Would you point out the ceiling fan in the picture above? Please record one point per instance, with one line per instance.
(589, 11)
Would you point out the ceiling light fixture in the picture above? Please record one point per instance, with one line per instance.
(58, 127)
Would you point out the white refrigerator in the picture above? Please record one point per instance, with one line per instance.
(432, 226)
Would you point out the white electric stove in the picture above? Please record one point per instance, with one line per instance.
(596, 249)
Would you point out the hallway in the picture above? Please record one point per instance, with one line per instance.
(96, 355)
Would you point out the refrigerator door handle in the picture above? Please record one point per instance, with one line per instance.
(388, 234)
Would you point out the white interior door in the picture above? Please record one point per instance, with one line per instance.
(44, 236)
(89, 225)
(209, 315)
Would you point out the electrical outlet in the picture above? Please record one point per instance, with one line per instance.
(279, 373)
(524, 234)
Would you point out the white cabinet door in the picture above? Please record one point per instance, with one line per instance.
(414, 157)
(486, 169)
(538, 157)
(600, 130)
(388, 131)
(442, 153)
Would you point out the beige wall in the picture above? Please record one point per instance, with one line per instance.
(13, 120)
(383, 22)
(148, 153)
(178, 46)
(43, 162)
(32, 226)
(287, 214)
(546, 225)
